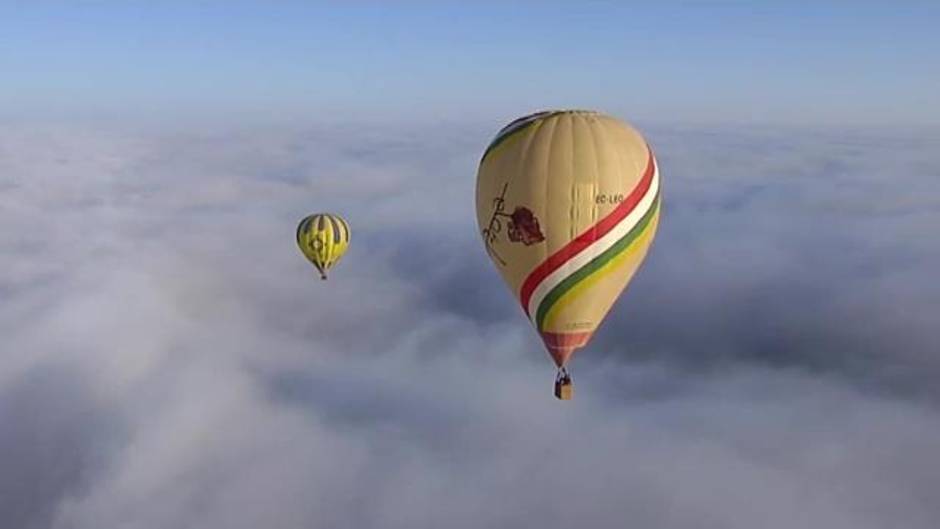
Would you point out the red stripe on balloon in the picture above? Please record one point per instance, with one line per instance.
(590, 236)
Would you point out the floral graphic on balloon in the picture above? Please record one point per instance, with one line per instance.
(524, 227)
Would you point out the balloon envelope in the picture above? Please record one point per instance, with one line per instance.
(323, 239)
(567, 203)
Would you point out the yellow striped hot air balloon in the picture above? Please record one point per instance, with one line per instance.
(567, 203)
(323, 239)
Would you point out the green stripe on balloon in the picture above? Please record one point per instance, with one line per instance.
(593, 265)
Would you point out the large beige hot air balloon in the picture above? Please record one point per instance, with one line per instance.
(568, 203)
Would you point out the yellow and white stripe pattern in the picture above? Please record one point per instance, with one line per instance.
(323, 238)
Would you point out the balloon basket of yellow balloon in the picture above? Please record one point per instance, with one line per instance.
(564, 389)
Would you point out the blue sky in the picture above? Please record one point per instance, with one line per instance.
(695, 61)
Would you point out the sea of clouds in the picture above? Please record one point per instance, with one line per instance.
(169, 360)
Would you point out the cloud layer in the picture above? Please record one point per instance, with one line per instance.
(169, 359)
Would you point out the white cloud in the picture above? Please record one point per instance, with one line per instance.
(169, 359)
